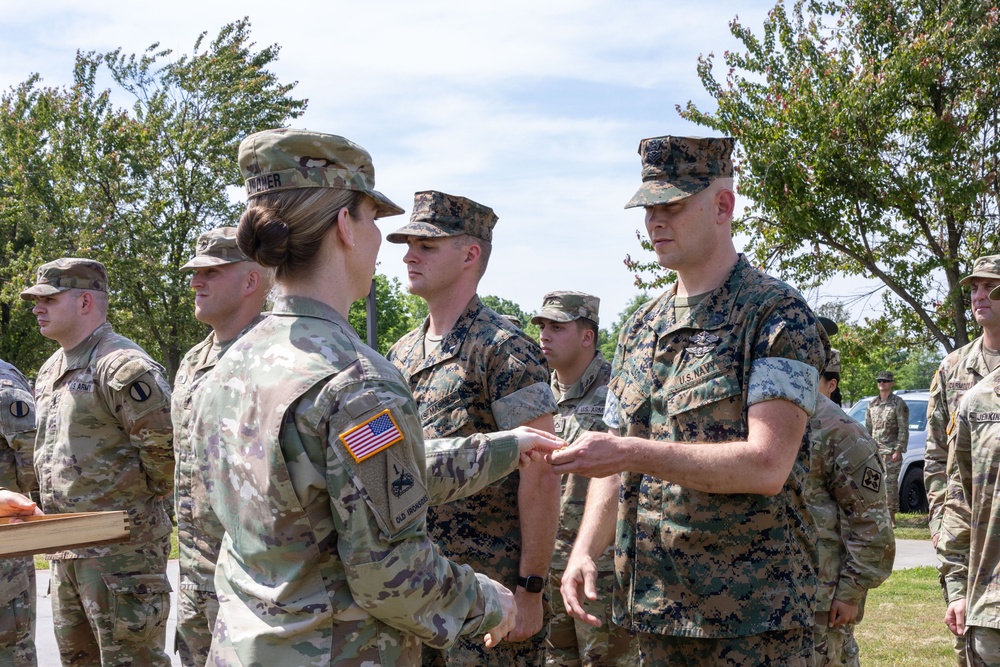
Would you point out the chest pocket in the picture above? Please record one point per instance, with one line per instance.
(711, 409)
(445, 416)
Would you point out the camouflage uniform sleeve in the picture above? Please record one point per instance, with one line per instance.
(138, 393)
(956, 520)
(866, 529)
(520, 382)
(936, 453)
(379, 509)
(902, 426)
(868, 418)
(788, 355)
(461, 467)
(17, 421)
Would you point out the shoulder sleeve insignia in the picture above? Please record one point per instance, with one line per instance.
(371, 436)
(20, 409)
(872, 479)
(139, 391)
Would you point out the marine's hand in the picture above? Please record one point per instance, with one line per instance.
(591, 455)
(842, 613)
(498, 632)
(529, 615)
(534, 444)
(14, 504)
(954, 618)
(579, 579)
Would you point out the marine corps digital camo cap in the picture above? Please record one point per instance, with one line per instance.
(984, 267)
(568, 306)
(833, 361)
(437, 215)
(215, 248)
(287, 159)
(674, 168)
(65, 274)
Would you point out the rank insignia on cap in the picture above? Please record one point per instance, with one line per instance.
(139, 391)
(872, 479)
(371, 436)
(20, 409)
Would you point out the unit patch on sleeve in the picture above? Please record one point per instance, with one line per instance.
(872, 479)
(371, 436)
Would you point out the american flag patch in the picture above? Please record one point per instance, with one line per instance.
(372, 436)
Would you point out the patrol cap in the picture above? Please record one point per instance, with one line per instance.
(568, 306)
(516, 321)
(289, 159)
(215, 248)
(833, 361)
(674, 168)
(439, 215)
(885, 375)
(987, 266)
(65, 274)
(829, 325)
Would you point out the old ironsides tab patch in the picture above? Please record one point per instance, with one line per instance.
(372, 436)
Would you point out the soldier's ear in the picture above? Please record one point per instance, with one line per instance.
(252, 280)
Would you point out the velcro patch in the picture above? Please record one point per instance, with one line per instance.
(371, 436)
(407, 495)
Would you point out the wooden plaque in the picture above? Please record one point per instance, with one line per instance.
(57, 532)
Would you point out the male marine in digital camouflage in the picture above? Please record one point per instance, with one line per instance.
(887, 419)
(229, 293)
(17, 473)
(845, 492)
(712, 386)
(959, 372)
(568, 324)
(103, 443)
(471, 371)
(969, 544)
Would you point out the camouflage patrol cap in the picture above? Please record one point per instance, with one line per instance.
(288, 159)
(833, 361)
(65, 274)
(886, 375)
(674, 168)
(829, 325)
(439, 215)
(984, 267)
(568, 306)
(215, 248)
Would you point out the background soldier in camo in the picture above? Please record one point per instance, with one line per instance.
(103, 443)
(314, 447)
(958, 373)
(568, 322)
(229, 293)
(17, 473)
(715, 558)
(471, 371)
(845, 492)
(887, 419)
(969, 546)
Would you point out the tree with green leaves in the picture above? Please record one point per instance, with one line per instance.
(868, 145)
(398, 313)
(131, 187)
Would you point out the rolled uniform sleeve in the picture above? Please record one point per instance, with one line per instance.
(519, 400)
(379, 507)
(788, 353)
(138, 393)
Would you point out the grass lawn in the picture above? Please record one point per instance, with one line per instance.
(904, 622)
(912, 527)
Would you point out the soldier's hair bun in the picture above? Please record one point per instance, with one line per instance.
(263, 236)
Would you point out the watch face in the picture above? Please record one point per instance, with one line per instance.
(532, 583)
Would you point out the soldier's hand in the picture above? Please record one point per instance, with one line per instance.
(509, 609)
(842, 613)
(534, 444)
(13, 504)
(580, 579)
(954, 618)
(591, 455)
(896, 456)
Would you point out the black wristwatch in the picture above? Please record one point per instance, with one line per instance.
(532, 583)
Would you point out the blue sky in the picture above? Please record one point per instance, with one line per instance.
(533, 108)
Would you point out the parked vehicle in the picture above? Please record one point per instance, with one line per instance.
(912, 496)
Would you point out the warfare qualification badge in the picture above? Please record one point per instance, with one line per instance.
(702, 343)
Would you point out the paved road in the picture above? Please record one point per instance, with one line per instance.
(909, 553)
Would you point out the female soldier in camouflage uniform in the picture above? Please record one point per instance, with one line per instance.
(317, 468)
